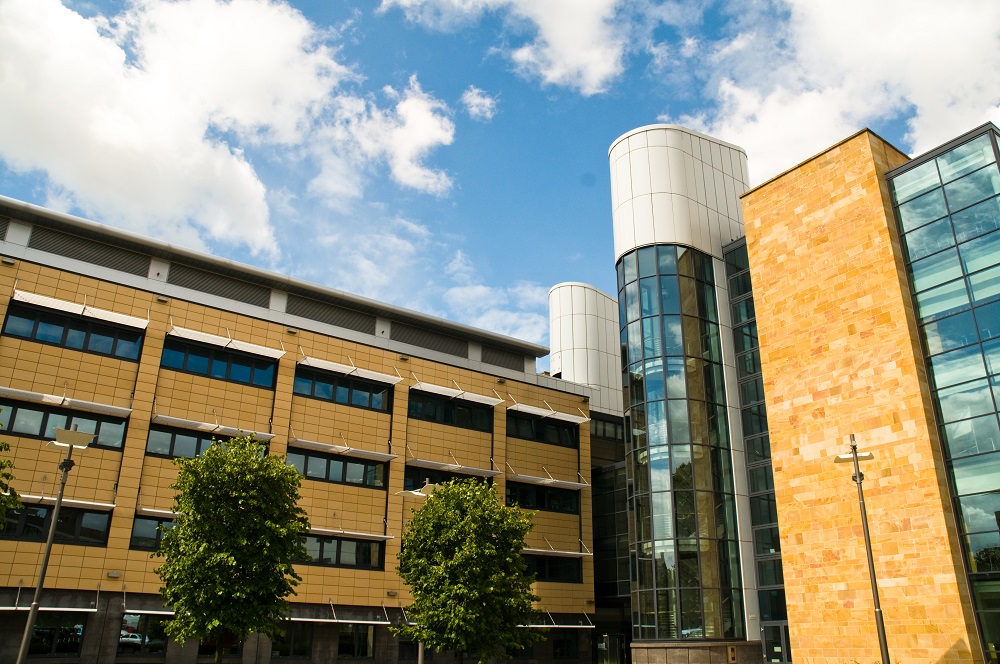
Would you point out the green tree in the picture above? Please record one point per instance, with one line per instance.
(8, 497)
(228, 557)
(461, 558)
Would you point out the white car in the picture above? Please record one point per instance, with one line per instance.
(130, 639)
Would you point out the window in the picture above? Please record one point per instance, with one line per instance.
(356, 641)
(57, 633)
(415, 477)
(218, 363)
(547, 499)
(32, 420)
(542, 430)
(453, 412)
(342, 552)
(142, 634)
(172, 443)
(57, 328)
(565, 644)
(555, 569)
(338, 469)
(295, 640)
(344, 390)
(606, 429)
(75, 526)
(147, 532)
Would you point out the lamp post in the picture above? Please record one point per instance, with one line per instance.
(69, 440)
(858, 477)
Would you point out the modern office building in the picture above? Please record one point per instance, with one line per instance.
(691, 582)
(156, 351)
(862, 299)
(876, 292)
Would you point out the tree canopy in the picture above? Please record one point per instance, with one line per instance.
(461, 558)
(8, 497)
(228, 556)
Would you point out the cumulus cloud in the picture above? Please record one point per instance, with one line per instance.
(520, 310)
(479, 105)
(785, 85)
(139, 152)
(362, 134)
(575, 43)
(160, 118)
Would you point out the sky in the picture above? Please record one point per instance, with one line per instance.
(448, 156)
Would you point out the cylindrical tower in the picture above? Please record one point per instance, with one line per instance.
(675, 201)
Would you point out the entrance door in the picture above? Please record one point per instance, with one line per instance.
(775, 640)
(611, 649)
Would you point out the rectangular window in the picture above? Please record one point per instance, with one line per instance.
(174, 443)
(295, 640)
(75, 526)
(218, 363)
(533, 427)
(147, 532)
(34, 420)
(547, 499)
(57, 633)
(337, 469)
(453, 412)
(415, 477)
(565, 644)
(142, 635)
(345, 390)
(342, 552)
(65, 330)
(356, 642)
(555, 569)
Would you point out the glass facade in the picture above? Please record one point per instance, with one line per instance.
(947, 205)
(760, 480)
(684, 558)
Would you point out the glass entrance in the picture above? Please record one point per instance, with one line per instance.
(775, 640)
(611, 649)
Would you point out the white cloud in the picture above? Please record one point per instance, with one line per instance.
(479, 105)
(519, 311)
(130, 140)
(362, 134)
(577, 43)
(785, 89)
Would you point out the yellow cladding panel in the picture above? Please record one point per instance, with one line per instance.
(840, 355)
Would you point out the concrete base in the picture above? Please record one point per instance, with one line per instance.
(697, 652)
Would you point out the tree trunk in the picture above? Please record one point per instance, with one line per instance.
(218, 647)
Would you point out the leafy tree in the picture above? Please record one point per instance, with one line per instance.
(8, 497)
(228, 556)
(461, 558)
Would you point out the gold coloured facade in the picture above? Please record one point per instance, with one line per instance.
(328, 378)
(840, 354)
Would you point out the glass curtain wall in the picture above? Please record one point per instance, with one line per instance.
(684, 559)
(948, 210)
(760, 478)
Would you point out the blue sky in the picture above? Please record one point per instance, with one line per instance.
(448, 156)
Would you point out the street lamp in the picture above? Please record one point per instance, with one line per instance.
(69, 440)
(858, 477)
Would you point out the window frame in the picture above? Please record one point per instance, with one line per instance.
(517, 421)
(439, 409)
(215, 355)
(163, 524)
(378, 559)
(340, 382)
(545, 568)
(368, 464)
(83, 324)
(542, 497)
(17, 522)
(10, 407)
(202, 442)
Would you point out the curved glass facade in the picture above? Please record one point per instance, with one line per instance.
(685, 578)
(948, 208)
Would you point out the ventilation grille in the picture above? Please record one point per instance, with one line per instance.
(439, 342)
(217, 284)
(329, 313)
(503, 358)
(88, 251)
(3, 227)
